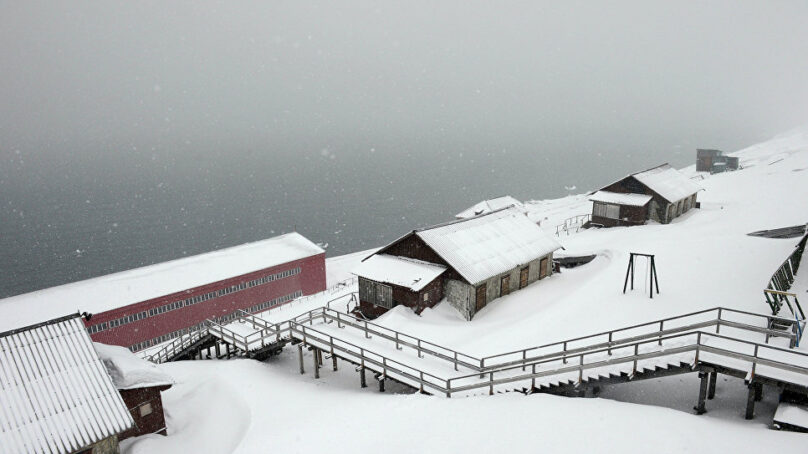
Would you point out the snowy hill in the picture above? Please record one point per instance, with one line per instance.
(704, 259)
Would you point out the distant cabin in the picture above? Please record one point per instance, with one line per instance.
(714, 161)
(487, 206)
(56, 397)
(470, 262)
(660, 194)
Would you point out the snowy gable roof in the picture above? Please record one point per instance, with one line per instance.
(55, 394)
(487, 206)
(140, 284)
(490, 244)
(402, 271)
(636, 200)
(668, 182)
(129, 371)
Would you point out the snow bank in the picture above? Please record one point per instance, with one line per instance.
(129, 371)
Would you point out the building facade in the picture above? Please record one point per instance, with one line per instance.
(469, 262)
(659, 194)
(147, 306)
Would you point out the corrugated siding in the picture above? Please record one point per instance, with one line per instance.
(55, 394)
(488, 245)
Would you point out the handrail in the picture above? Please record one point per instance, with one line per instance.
(660, 323)
(400, 338)
(380, 361)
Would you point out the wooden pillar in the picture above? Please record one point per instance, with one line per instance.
(300, 356)
(315, 355)
(700, 407)
(711, 390)
(381, 383)
(218, 350)
(227, 349)
(750, 401)
(758, 392)
(334, 362)
(362, 379)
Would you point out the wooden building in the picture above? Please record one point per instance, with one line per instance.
(146, 306)
(714, 161)
(468, 262)
(56, 397)
(659, 194)
(140, 384)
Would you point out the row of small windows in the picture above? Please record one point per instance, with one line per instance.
(275, 302)
(224, 319)
(190, 301)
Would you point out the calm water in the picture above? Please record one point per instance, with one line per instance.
(70, 217)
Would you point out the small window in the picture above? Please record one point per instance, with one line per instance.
(426, 296)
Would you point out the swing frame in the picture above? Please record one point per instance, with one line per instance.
(630, 272)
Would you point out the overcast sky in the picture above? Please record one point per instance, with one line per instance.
(191, 76)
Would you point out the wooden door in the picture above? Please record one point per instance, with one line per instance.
(481, 296)
(523, 277)
(543, 268)
(505, 285)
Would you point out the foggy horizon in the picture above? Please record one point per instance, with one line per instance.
(137, 132)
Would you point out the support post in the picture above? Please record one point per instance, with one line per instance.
(750, 402)
(362, 379)
(316, 363)
(628, 270)
(300, 356)
(758, 392)
(218, 350)
(700, 407)
(381, 384)
(632, 271)
(227, 349)
(711, 390)
(334, 362)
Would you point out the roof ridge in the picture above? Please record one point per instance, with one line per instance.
(457, 221)
(40, 324)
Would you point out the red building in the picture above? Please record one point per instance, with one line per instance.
(150, 305)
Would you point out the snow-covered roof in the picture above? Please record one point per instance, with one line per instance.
(668, 182)
(487, 206)
(55, 394)
(488, 244)
(129, 371)
(636, 200)
(402, 271)
(127, 287)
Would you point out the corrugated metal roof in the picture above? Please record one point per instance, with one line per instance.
(402, 271)
(668, 182)
(636, 200)
(489, 244)
(55, 394)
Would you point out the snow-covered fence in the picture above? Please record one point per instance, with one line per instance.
(781, 282)
(573, 224)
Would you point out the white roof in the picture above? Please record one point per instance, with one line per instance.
(636, 200)
(489, 244)
(487, 206)
(129, 371)
(402, 271)
(127, 287)
(55, 395)
(668, 182)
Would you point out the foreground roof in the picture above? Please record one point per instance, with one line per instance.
(55, 395)
(127, 287)
(402, 271)
(637, 200)
(128, 371)
(487, 206)
(488, 244)
(668, 182)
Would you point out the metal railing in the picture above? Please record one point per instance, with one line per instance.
(177, 345)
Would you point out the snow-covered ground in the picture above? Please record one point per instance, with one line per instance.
(704, 259)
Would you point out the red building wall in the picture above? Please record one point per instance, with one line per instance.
(311, 279)
(154, 422)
